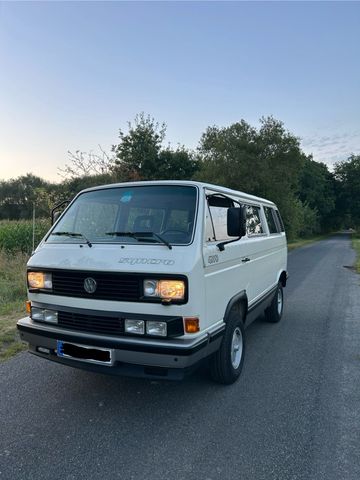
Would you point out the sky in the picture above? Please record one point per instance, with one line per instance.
(73, 73)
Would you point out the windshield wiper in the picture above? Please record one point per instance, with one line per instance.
(141, 236)
(73, 234)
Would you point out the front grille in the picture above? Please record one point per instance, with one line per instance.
(91, 323)
(113, 325)
(110, 286)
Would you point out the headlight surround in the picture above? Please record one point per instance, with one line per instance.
(39, 280)
(164, 289)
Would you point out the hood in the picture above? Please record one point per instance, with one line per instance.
(114, 258)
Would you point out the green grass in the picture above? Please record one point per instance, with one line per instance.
(300, 242)
(12, 298)
(356, 246)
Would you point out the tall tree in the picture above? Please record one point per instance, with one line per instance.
(317, 189)
(137, 154)
(140, 155)
(265, 162)
(348, 175)
(18, 197)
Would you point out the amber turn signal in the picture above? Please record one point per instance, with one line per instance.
(192, 324)
(28, 306)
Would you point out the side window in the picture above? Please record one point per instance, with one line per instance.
(253, 222)
(269, 214)
(219, 216)
(216, 218)
(278, 216)
(209, 231)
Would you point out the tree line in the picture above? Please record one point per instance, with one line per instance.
(266, 161)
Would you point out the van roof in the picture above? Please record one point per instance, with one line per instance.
(209, 186)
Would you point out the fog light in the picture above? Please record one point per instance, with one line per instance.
(44, 315)
(37, 314)
(135, 326)
(156, 328)
(50, 316)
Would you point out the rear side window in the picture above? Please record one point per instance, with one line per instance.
(253, 220)
(269, 214)
(279, 219)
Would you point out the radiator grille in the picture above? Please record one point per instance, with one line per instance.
(110, 286)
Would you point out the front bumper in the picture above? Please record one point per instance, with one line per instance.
(168, 358)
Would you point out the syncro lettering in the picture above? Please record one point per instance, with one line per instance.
(146, 261)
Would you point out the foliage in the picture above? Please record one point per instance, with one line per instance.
(85, 164)
(265, 162)
(356, 246)
(12, 297)
(141, 156)
(18, 197)
(348, 175)
(317, 188)
(73, 186)
(17, 235)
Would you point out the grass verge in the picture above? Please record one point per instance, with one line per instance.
(300, 242)
(356, 245)
(12, 296)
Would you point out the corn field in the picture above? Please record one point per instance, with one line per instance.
(17, 235)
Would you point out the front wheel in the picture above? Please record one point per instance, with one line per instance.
(227, 362)
(273, 313)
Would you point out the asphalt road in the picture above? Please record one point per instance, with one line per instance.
(294, 414)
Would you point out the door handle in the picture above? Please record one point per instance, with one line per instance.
(246, 259)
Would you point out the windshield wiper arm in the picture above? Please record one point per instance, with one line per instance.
(72, 234)
(138, 236)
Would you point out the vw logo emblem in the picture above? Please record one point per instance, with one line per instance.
(90, 285)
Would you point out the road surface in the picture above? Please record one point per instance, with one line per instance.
(294, 414)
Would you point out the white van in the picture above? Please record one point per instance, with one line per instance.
(150, 278)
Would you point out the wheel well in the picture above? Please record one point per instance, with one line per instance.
(283, 278)
(238, 300)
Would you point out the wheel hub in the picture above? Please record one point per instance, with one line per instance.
(236, 348)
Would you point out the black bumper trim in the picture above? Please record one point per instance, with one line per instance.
(112, 343)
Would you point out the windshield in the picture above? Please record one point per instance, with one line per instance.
(160, 213)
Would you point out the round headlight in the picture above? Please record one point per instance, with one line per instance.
(150, 288)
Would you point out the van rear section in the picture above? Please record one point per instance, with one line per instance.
(153, 278)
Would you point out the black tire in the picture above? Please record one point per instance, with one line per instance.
(274, 313)
(222, 364)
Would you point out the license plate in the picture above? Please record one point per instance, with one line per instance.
(85, 353)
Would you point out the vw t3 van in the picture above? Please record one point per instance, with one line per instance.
(151, 278)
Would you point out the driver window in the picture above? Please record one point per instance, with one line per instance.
(216, 218)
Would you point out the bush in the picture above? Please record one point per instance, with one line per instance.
(17, 235)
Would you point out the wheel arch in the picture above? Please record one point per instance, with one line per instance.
(239, 299)
(283, 278)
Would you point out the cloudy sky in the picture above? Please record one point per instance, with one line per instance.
(72, 74)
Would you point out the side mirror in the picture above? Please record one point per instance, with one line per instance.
(57, 210)
(236, 222)
(56, 216)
